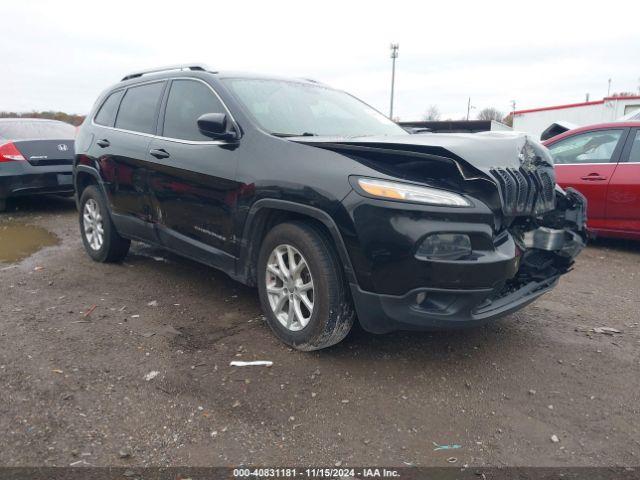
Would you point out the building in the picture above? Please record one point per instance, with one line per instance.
(536, 120)
(456, 126)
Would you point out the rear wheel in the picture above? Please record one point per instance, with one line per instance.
(302, 288)
(99, 236)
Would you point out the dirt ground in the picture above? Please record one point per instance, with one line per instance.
(73, 388)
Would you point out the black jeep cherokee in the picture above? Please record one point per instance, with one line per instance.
(331, 209)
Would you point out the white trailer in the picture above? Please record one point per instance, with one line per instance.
(609, 109)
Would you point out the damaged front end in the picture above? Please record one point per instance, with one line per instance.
(546, 245)
(422, 266)
(547, 223)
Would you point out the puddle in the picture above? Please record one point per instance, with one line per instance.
(18, 241)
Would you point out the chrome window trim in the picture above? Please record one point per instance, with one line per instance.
(160, 137)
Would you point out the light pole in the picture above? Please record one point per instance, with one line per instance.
(609, 88)
(394, 54)
(469, 107)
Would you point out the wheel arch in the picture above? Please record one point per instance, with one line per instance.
(265, 214)
(84, 176)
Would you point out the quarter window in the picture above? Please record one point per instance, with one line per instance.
(591, 147)
(138, 108)
(188, 100)
(107, 113)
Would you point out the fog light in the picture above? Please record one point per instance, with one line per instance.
(445, 246)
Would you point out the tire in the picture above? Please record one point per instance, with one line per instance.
(332, 314)
(112, 248)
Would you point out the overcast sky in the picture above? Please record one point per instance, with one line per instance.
(60, 55)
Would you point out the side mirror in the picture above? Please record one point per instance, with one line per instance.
(215, 125)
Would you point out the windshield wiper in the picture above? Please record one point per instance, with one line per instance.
(304, 134)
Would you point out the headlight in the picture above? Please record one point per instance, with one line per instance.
(411, 193)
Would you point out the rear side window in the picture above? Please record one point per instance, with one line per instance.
(188, 100)
(107, 113)
(36, 130)
(590, 147)
(138, 108)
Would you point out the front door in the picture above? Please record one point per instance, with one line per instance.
(586, 162)
(192, 178)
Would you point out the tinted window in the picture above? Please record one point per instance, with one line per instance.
(138, 108)
(634, 155)
(36, 129)
(107, 113)
(187, 101)
(590, 147)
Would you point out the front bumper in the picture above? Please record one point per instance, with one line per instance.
(21, 178)
(438, 309)
(396, 290)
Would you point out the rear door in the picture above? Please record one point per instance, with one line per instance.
(129, 121)
(192, 177)
(587, 161)
(623, 195)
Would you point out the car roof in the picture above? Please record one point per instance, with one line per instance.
(146, 77)
(587, 128)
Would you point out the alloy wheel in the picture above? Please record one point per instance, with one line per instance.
(289, 287)
(92, 222)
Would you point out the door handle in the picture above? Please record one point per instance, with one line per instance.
(596, 177)
(103, 143)
(159, 153)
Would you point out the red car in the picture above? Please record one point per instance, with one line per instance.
(603, 162)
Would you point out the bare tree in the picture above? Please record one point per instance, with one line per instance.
(624, 94)
(433, 113)
(490, 113)
(508, 120)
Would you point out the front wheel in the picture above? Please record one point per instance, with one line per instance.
(99, 236)
(302, 288)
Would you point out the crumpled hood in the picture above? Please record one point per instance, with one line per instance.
(484, 151)
(509, 171)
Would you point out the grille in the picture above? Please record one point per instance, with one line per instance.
(524, 192)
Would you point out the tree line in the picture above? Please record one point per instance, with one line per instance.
(50, 115)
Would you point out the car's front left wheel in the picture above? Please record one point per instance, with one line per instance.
(302, 287)
(99, 236)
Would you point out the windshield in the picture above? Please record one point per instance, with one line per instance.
(38, 129)
(294, 108)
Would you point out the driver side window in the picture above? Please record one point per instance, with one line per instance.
(590, 147)
(188, 100)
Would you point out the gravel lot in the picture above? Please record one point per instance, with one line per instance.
(73, 387)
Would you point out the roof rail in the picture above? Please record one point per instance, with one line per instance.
(187, 66)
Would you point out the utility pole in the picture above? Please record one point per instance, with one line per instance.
(469, 107)
(394, 54)
(513, 106)
(586, 97)
(609, 88)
